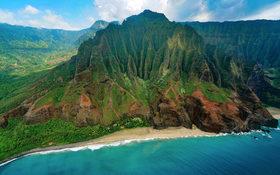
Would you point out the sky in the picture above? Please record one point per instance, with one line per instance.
(80, 14)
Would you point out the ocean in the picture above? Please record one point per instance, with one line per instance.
(252, 154)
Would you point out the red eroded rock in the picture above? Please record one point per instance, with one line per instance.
(88, 114)
(226, 117)
(16, 112)
(166, 113)
(41, 114)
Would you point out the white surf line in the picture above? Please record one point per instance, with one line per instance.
(9, 161)
(124, 142)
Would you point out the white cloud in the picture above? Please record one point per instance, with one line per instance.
(7, 17)
(50, 20)
(34, 23)
(203, 14)
(33, 17)
(54, 21)
(269, 12)
(112, 10)
(31, 10)
(46, 19)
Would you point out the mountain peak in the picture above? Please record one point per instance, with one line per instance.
(148, 14)
(100, 24)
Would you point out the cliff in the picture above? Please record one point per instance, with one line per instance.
(256, 43)
(152, 68)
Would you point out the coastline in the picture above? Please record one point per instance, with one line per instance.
(115, 139)
(123, 137)
(275, 112)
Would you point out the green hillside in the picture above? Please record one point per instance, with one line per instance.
(27, 54)
(256, 42)
(148, 71)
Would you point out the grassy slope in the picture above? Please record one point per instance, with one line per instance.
(214, 93)
(121, 90)
(26, 55)
(14, 89)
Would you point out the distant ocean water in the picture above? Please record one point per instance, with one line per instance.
(255, 153)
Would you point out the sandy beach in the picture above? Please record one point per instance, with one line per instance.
(275, 112)
(146, 133)
(126, 135)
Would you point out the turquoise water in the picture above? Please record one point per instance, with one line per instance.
(231, 154)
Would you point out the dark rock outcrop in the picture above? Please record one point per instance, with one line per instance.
(228, 117)
(153, 68)
(253, 112)
(87, 114)
(166, 113)
(16, 112)
(3, 122)
(213, 116)
(262, 88)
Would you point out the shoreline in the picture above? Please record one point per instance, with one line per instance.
(275, 112)
(117, 138)
(125, 136)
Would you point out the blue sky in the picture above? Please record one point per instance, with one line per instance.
(79, 14)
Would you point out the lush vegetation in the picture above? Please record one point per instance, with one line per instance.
(255, 42)
(53, 97)
(273, 74)
(18, 137)
(24, 50)
(215, 93)
(120, 72)
(90, 32)
(26, 54)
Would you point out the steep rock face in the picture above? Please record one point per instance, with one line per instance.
(261, 86)
(87, 114)
(90, 32)
(256, 42)
(152, 68)
(168, 114)
(254, 113)
(228, 117)
(137, 49)
(213, 116)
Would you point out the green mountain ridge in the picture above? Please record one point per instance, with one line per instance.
(134, 70)
(90, 32)
(25, 49)
(256, 42)
(27, 53)
(146, 71)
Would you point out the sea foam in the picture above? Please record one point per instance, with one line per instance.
(125, 142)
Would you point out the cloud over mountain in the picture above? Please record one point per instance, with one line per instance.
(31, 10)
(268, 12)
